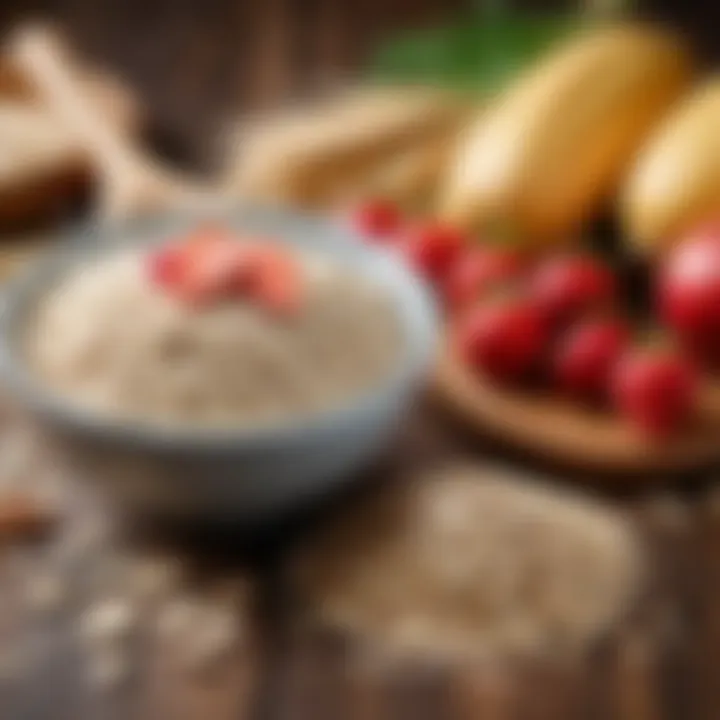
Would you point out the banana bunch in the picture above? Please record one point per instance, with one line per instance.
(552, 149)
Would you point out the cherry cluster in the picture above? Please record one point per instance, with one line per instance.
(556, 323)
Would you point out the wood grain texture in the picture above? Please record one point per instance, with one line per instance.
(49, 664)
(662, 664)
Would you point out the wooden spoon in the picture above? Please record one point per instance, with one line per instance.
(132, 182)
(113, 99)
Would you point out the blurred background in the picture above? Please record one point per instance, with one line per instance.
(195, 70)
(194, 64)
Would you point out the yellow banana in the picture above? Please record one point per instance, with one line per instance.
(675, 183)
(548, 153)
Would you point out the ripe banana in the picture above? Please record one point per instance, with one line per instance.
(675, 183)
(548, 153)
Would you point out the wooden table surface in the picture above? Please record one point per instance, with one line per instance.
(664, 663)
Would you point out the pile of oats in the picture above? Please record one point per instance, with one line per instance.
(471, 563)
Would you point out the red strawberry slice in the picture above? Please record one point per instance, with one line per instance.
(276, 282)
(211, 274)
(165, 266)
(211, 264)
(207, 265)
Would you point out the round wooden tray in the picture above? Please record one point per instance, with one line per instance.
(569, 435)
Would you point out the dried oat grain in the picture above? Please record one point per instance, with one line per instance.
(469, 562)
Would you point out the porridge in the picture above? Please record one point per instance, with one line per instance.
(242, 333)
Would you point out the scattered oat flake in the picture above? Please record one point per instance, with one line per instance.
(46, 592)
(152, 576)
(13, 664)
(18, 453)
(177, 616)
(211, 640)
(107, 670)
(203, 632)
(109, 620)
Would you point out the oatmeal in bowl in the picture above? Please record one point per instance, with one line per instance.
(126, 338)
(265, 352)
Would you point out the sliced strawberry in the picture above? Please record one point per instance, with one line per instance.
(213, 268)
(211, 264)
(165, 266)
(276, 280)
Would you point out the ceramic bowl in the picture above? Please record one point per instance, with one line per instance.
(227, 472)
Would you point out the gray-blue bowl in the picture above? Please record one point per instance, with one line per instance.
(236, 473)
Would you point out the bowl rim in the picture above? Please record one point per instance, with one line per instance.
(412, 296)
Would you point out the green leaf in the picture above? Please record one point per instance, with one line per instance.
(481, 54)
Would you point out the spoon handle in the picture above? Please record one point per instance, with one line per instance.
(131, 182)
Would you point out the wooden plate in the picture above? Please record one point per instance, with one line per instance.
(569, 435)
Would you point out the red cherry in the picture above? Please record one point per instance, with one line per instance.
(688, 294)
(587, 355)
(377, 219)
(566, 287)
(504, 338)
(478, 271)
(655, 390)
(431, 248)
